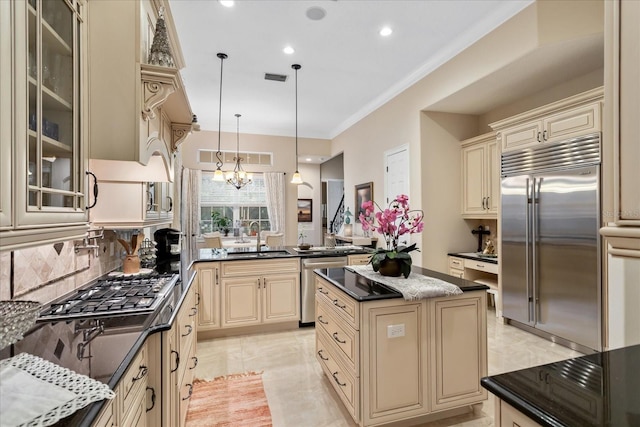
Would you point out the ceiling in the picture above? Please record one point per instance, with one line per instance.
(348, 69)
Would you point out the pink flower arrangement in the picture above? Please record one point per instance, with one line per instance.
(395, 221)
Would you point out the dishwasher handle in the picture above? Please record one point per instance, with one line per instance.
(324, 264)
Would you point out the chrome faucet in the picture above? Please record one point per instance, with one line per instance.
(258, 246)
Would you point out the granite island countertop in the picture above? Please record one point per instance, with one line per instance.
(362, 289)
(598, 390)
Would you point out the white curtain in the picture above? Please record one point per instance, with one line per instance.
(190, 212)
(275, 189)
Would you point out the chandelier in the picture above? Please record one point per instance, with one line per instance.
(238, 177)
(218, 175)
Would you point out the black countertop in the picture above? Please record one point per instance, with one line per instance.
(598, 390)
(362, 289)
(251, 253)
(111, 352)
(493, 259)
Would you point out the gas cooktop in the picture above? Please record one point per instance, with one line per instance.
(112, 296)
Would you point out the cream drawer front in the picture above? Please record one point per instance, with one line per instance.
(511, 417)
(347, 307)
(456, 263)
(359, 259)
(341, 335)
(456, 273)
(343, 382)
(262, 267)
(134, 381)
(481, 266)
(107, 417)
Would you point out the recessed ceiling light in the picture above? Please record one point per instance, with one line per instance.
(226, 3)
(288, 50)
(386, 31)
(316, 13)
(308, 159)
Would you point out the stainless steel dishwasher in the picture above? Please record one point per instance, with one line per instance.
(307, 285)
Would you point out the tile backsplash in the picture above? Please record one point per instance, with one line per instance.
(47, 272)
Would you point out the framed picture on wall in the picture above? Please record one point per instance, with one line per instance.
(364, 193)
(304, 210)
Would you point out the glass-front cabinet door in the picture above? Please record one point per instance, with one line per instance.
(49, 112)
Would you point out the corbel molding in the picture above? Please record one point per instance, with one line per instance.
(157, 84)
(179, 132)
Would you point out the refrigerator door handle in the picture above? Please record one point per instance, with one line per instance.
(537, 183)
(527, 247)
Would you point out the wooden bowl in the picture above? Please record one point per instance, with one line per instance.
(304, 247)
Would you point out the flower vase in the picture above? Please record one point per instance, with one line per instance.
(390, 267)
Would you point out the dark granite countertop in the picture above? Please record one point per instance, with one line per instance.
(362, 289)
(598, 390)
(493, 259)
(236, 254)
(110, 353)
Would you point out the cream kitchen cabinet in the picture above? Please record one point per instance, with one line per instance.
(574, 116)
(480, 177)
(507, 416)
(147, 102)
(456, 267)
(391, 360)
(234, 294)
(43, 111)
(208, 295)
(358, 259)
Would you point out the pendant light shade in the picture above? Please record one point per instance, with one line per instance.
(238, 177)
(297, 178)
(218, 175)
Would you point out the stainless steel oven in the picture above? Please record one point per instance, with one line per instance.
(307, 284)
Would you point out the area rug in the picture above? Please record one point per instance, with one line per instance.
(236, 400)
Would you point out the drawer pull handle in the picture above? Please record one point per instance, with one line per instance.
(190, 392)
(194, 311)
(323, 292)
(479, 265)
(335, 337)
(198, 298)
(190, 329)
(321, 356)
(322, 321)
(141, 373)
(335, 378)
(153, 398)
(177, 360)
(195, 362)
(335, 302)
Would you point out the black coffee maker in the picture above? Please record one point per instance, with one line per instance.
(169, 246)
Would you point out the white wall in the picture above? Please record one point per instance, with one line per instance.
(311, 175)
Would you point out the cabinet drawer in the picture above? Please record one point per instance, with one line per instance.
(345, 306)
(107, 416)
(261, 267)
(481, 266)
(133, 382)
(456, 263)
(511, 417)
(344, 338)
(136, 417)
(456, 273)
(343, 382)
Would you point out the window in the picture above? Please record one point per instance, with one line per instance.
(246, 207)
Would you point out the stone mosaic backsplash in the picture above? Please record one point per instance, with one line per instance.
(47, 272)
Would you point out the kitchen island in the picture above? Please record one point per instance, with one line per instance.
(597, 390)
(390, 359)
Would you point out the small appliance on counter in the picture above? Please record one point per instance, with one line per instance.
(169, 245)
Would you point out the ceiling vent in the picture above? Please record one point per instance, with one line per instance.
(275, 77)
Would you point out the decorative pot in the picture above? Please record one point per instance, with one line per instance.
(390, 267)
(304, 246)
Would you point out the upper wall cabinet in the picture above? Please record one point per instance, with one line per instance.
(137, 110)
(574, 116)
(42, 117)
(480, 177)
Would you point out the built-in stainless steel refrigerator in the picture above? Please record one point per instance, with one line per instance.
(550, 252)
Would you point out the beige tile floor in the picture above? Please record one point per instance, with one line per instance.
(299, 395)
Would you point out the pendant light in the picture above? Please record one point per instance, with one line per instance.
(218, 175)
(297, 178)
(238, 177)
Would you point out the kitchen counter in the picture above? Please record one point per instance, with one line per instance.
(493, 259)
(107, 356)
(362, 289)
(601, 389)
(233, 254)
